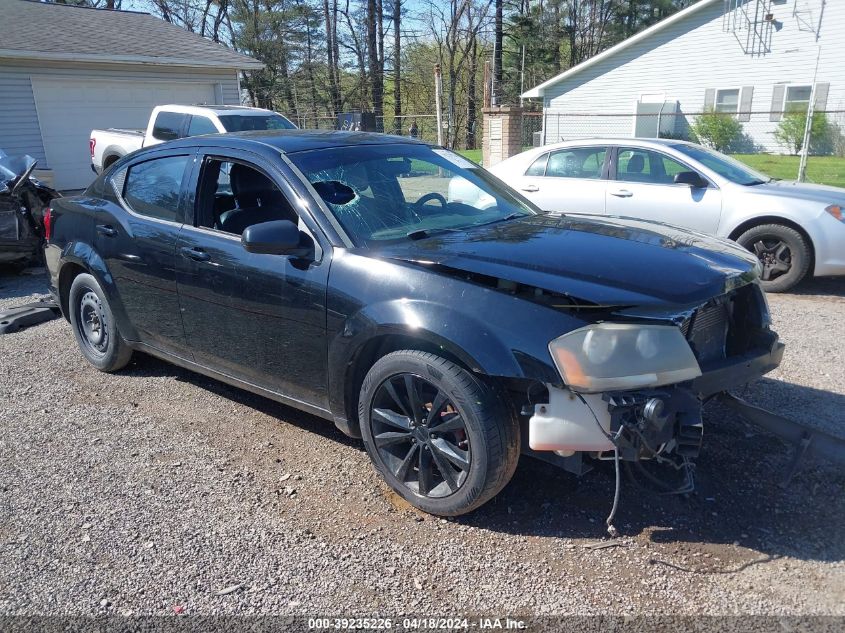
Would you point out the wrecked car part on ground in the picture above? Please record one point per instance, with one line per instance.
(409, 296)
(23, 199)
(28, 314)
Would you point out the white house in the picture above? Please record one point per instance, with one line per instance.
(755, 58)
(65, 70)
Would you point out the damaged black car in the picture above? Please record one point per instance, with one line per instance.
(23, 199)
(413, 299)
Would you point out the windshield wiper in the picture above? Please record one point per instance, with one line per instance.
(419, 234)
(509, 216)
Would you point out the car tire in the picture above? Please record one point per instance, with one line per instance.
(94, 326)
(777, 246)
(445, 462)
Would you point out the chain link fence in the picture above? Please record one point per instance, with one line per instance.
(421, 126)
(769, 141)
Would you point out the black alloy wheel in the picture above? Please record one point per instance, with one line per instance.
(420, 435)
(443, 438)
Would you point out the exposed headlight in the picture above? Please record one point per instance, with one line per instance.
(610, 356)
(836, 211)
(598, 346)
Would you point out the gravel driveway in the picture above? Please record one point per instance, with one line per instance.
(156, 491)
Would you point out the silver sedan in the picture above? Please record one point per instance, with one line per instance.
(795, 229)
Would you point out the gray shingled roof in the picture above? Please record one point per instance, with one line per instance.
(34, 30)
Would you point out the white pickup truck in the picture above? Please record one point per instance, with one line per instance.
(169, 122)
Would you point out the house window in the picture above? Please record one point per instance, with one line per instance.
(797, 98)
(727, 100)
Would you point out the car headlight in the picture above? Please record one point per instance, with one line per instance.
(836, 211)
(611, 356)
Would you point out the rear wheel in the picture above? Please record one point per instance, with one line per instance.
(783, 253)
(94, 325)
(437, 435)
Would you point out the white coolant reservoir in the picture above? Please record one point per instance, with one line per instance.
(566, 424)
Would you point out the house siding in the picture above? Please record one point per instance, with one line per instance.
(20, 132)
(686, 59)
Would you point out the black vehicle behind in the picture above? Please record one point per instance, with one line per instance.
(22, 203)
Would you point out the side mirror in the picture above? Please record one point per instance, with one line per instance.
(691, 178)
(277, 237)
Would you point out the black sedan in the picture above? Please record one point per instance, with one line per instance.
(410, 297)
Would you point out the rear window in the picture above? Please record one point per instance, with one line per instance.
(246, 122)
(168, 125)
(152, 188)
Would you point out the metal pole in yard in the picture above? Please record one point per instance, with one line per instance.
(808, 125)
(522, 78)
(438, 90)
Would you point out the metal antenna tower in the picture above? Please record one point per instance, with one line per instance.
(751, 23)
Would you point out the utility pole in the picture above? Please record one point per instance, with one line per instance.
(808, 125)
(438, 97)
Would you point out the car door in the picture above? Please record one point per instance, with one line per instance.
(137, 238)
(260, 318)
(567, 180)
(643, 186)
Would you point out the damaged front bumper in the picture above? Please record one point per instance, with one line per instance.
(642, 423)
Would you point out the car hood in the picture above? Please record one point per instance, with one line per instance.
(617, 262)
(800, 191)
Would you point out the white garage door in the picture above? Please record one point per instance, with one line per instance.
(68, 109)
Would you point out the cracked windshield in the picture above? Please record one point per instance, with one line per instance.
(383, 193)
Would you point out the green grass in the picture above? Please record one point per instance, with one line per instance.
(824, 170)
(473, 154)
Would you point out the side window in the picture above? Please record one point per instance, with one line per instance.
(152, 188)
(646, 166)
(201, 125)
(168, 125)
(234, 195)
(583, 162)
(538, 167)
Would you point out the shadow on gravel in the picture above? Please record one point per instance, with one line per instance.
(737, 497)
(147, 366)
(737, 500)
(16, 284)
(830, 286)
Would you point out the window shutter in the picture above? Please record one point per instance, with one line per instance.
(777, 102)
(821, 97)
(709, 99)
(745, 98)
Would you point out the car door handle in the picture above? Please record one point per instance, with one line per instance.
(197, 254)
(106, 230)
(621, 193)
(530, 188)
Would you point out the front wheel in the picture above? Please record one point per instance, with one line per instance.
(436, 434)
(94, 326)
(783, 253)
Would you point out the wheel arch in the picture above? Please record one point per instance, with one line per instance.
(78, 258)
(776, 219)
(69, 271)
(111, 155)
(380, 346)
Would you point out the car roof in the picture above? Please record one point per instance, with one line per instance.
(203, 108)
(616, 140)
(290, 141)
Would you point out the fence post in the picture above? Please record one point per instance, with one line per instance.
(502, 134)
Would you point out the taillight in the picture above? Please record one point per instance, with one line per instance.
(48, 223)
(92, 143)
